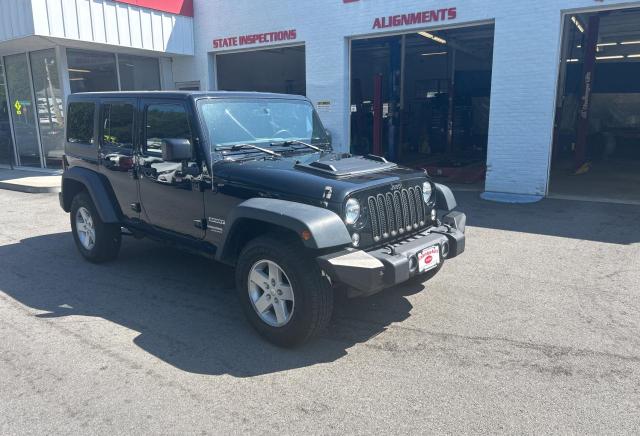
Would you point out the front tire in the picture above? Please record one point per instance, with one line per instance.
(97, 241)
(282, 291)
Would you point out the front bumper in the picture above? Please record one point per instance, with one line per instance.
(368, 272)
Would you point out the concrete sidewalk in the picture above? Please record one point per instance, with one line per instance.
(30, 181)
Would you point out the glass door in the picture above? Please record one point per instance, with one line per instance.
(6, 145)
(22, 109)
(49, 105)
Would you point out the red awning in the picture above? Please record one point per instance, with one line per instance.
(178, 7)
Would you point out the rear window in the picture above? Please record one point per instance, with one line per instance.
(80, 122)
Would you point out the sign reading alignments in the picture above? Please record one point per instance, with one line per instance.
(412, 18)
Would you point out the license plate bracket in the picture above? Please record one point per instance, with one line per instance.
(428, 259)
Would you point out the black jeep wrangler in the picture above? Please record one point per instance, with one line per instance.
(251, 180)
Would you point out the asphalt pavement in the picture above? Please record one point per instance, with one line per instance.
(535, 329)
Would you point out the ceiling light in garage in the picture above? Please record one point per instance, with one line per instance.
(606, 58)
(435, 54)
(573, 60)
(433, 37)
(607, 44)
(634, 56)
(578, 24)
(630, 42)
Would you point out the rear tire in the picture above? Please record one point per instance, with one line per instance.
(305, 296)
(97, 241)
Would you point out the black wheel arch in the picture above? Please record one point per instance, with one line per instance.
(314, 227)
(445, 200)
(77, 179)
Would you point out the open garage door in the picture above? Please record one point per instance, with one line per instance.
(423, 99)
(280, 70)
(596, 151)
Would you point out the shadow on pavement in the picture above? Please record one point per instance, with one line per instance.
(600, 222)
(183, 307)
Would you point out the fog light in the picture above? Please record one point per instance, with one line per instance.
(445, 249)
(355, 239)
(434, 215)
(413, 264)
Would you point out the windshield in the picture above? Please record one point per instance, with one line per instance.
(260, 121)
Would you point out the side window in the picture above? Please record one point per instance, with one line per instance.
(117, 125)
(80, 123)
(165, 121)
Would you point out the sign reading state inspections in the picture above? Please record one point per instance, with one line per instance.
(258, 38)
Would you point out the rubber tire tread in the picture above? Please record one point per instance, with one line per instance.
(313, 293)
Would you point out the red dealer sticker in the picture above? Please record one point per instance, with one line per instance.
(428, 259)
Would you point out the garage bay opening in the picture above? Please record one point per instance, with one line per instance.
(596, 149)
(423, 98)
(280, 70)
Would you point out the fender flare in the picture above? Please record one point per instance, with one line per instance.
(445, 200)
(326, 228)
(104, 202)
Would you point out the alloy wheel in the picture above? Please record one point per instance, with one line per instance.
(85, 228)
(271, 293)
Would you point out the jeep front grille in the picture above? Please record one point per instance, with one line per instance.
(395, 213)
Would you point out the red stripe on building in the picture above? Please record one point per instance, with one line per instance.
(178, 7)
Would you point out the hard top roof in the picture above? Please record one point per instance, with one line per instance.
(184, 95)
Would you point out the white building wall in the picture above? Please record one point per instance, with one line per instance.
(523, 94)
(525, 71)
(15, 19)
(106, 22)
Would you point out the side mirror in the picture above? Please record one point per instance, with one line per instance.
(176, 150)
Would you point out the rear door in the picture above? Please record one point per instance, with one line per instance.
(117, 142)
(170, 191)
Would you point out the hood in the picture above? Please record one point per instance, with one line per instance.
(307, 176)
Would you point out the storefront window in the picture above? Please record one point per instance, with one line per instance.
(49, 105)
(92, 71)
(22, 110)
(139, 73)
(6, 146)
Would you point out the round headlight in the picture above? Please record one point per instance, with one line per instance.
(427, 191)
(352, 211)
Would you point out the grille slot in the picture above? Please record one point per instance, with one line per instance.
(373, 211)
(395, 213)
(417, 193)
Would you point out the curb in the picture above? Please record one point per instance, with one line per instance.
(29, 189)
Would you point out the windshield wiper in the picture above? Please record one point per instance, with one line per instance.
(255, 147)
(296, 141)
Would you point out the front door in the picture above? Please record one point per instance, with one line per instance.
(170, 196)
